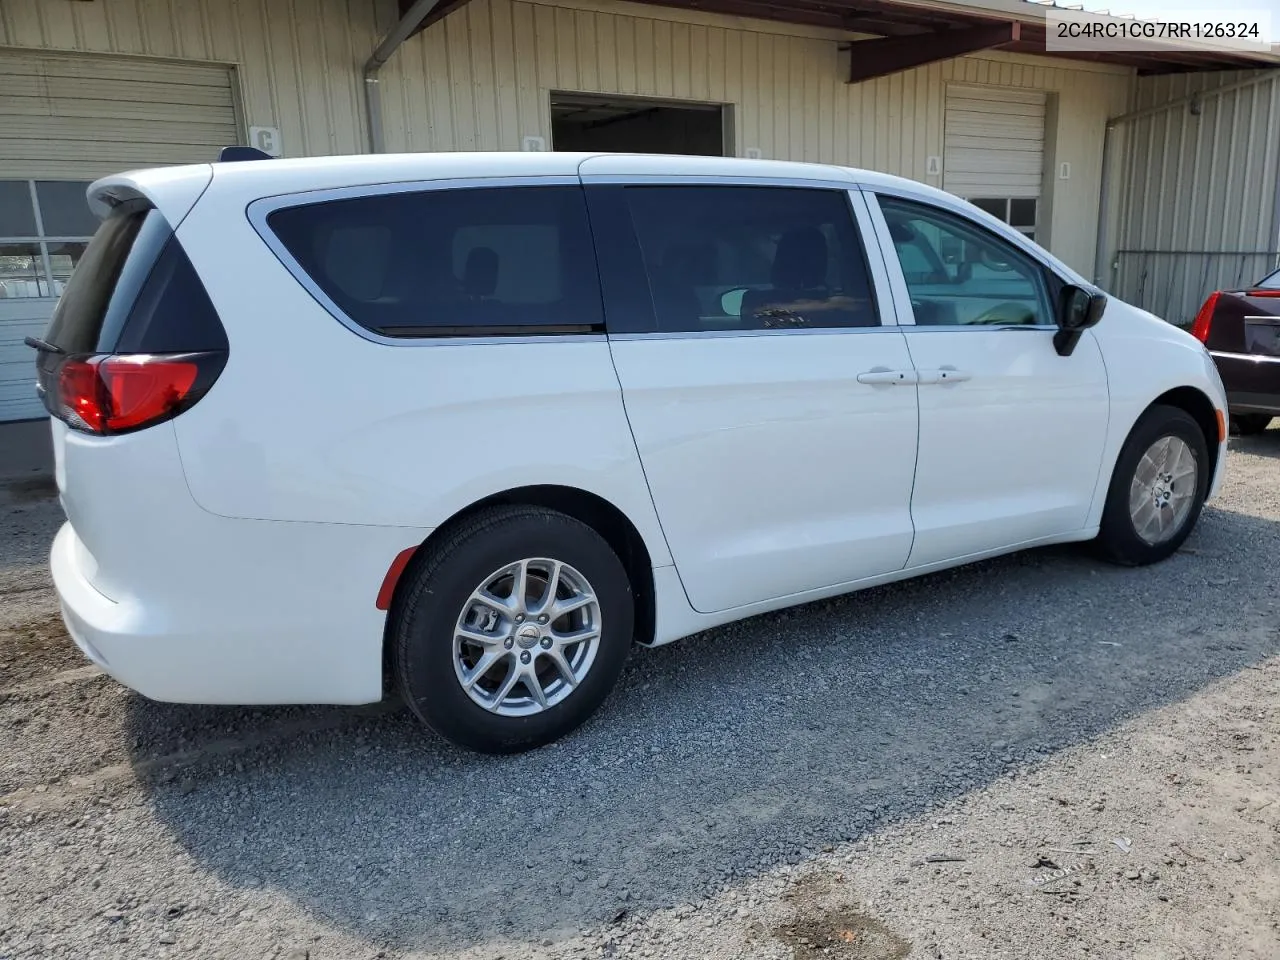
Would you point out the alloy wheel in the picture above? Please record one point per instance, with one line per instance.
(527, 637)
(1163, 489)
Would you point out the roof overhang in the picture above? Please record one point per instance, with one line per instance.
(915, 32)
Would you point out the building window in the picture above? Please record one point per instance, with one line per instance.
(45, 226)
(1018, 213)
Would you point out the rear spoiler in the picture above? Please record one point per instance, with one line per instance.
(174, 190)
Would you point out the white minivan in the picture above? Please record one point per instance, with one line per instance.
(472, 425)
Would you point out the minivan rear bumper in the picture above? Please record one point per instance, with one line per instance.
(219, 644)
(97, 624)
(196, 655)
(185, 606)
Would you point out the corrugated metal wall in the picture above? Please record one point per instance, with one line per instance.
(1198, 192)
(481, 78)
(297, 61)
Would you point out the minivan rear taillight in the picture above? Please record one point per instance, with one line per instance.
(117, 394)
(135, 339)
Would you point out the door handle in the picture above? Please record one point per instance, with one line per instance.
(887, 377)
(944, 375)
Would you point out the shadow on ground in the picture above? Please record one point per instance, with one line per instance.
(1265, 444)
(720, 756)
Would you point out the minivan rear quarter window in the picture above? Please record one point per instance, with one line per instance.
(451, 262)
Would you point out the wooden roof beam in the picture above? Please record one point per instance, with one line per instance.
(879, 58)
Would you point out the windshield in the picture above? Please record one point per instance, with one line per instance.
(1271, 282)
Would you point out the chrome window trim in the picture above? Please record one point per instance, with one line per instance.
(711, 180)
(983, 327)
(259, 210)
(1254, 357)
(725, 334)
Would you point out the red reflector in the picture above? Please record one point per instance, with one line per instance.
(111, 394)
(1204, 319)
(1264, 293)
(393, 577)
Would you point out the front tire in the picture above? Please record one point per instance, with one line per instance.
(513, 630)
(1157, 490)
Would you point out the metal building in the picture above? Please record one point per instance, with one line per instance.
(1198, 192)
(959, 95)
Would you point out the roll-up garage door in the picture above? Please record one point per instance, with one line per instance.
(64, 122)
(993, 142)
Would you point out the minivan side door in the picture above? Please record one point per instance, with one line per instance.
(1011, 433)
(767, 387)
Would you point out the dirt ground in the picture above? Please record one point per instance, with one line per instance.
(1040, 756)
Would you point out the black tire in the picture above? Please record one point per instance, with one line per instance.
(1118, 539)
(1249, 424)
(442, 581)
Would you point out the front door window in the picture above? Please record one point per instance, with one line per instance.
(959, 274)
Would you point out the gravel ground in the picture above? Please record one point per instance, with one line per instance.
(1031, 757)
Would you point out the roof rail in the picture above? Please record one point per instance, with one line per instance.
(233, 154)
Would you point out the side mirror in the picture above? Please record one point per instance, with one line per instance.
(1078, 310)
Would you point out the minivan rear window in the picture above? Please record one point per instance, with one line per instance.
(451, 262)
(92, 307)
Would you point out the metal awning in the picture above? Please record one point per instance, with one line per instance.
(915, 32)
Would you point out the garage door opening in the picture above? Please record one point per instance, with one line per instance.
(628, 125)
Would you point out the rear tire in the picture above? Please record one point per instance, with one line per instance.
(481, 649)
(1157, 490)
(1249, 424)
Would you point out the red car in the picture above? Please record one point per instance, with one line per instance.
(1241, 328)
